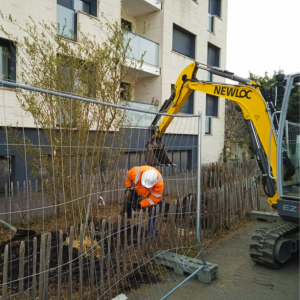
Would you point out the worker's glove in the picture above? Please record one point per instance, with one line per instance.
(139, 204)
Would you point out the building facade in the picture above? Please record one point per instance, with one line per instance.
(170, 34)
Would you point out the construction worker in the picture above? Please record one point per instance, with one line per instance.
(144, 188)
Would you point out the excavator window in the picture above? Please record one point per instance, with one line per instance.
(291, 143)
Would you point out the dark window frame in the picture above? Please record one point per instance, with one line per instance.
(212, 109)
(176, 46)
(188, 106)
(181, 152)
(11, 59)
(215, 7)
(126, 25)
(213, 61)
(70, 4)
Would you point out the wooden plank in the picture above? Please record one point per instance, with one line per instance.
(102, 257)
(92, 261)
(21, 270)
(34, 263)
(174, 229)
(5, 273)
(13, 207)
(42, 266)
(47, 265)
(160, 227)
(180, 222)
(139, 235)
(7, 200)
(80, 252)
(70, 288)
(36, 200)
(133, 225)
(108, 250)
(145, 223)
(118, 247)
(125, 243)
(59, 267)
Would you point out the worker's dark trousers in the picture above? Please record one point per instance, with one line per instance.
(133, 205)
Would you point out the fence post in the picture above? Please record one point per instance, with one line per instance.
(47, 266)
(92, 260)
(59, 267)
(34, 262)
(80, 252)
(70, 263)
(102, 236)
(5, 271)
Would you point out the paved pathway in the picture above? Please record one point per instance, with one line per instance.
(239, 278)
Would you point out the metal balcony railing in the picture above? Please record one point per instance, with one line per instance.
(141, 48)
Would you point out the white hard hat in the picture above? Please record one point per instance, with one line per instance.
(149, 178)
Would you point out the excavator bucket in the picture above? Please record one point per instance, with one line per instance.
(156, 155)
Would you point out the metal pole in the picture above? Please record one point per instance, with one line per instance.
(73, 97)
(181, 283)
(198, 222)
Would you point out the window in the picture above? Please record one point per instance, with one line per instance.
(5, 172)
(125, 91)
(126, 25)
(207, 125)
(213, 58)
(188, 106)
(211, 106)
(66, 14)
(183, 41)
(7, 60)
(214, 7)
(130, 159)
(75, 77)
(182, 160)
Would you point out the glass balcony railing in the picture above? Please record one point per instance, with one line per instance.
(139, 46)
(66, 21)
(139, 119)
(210, 23)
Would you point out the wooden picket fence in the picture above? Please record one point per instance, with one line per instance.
(29, 201)
(110, 255)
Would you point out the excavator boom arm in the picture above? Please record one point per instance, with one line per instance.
(248, 97)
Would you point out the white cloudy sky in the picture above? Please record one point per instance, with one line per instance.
(263, 35)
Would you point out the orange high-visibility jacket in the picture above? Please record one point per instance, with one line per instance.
(151, 196)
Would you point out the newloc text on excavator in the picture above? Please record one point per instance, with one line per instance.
(276, 153)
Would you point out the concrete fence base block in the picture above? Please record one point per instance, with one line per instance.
(120, 297)
(182, 264)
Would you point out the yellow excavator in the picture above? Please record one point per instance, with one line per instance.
(275, 138)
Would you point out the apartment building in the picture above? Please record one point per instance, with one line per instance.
(171, 33)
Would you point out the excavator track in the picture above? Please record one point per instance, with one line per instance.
(263, 243)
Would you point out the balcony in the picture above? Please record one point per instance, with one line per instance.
(139, 119)
(141, 48)
(140, 7)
